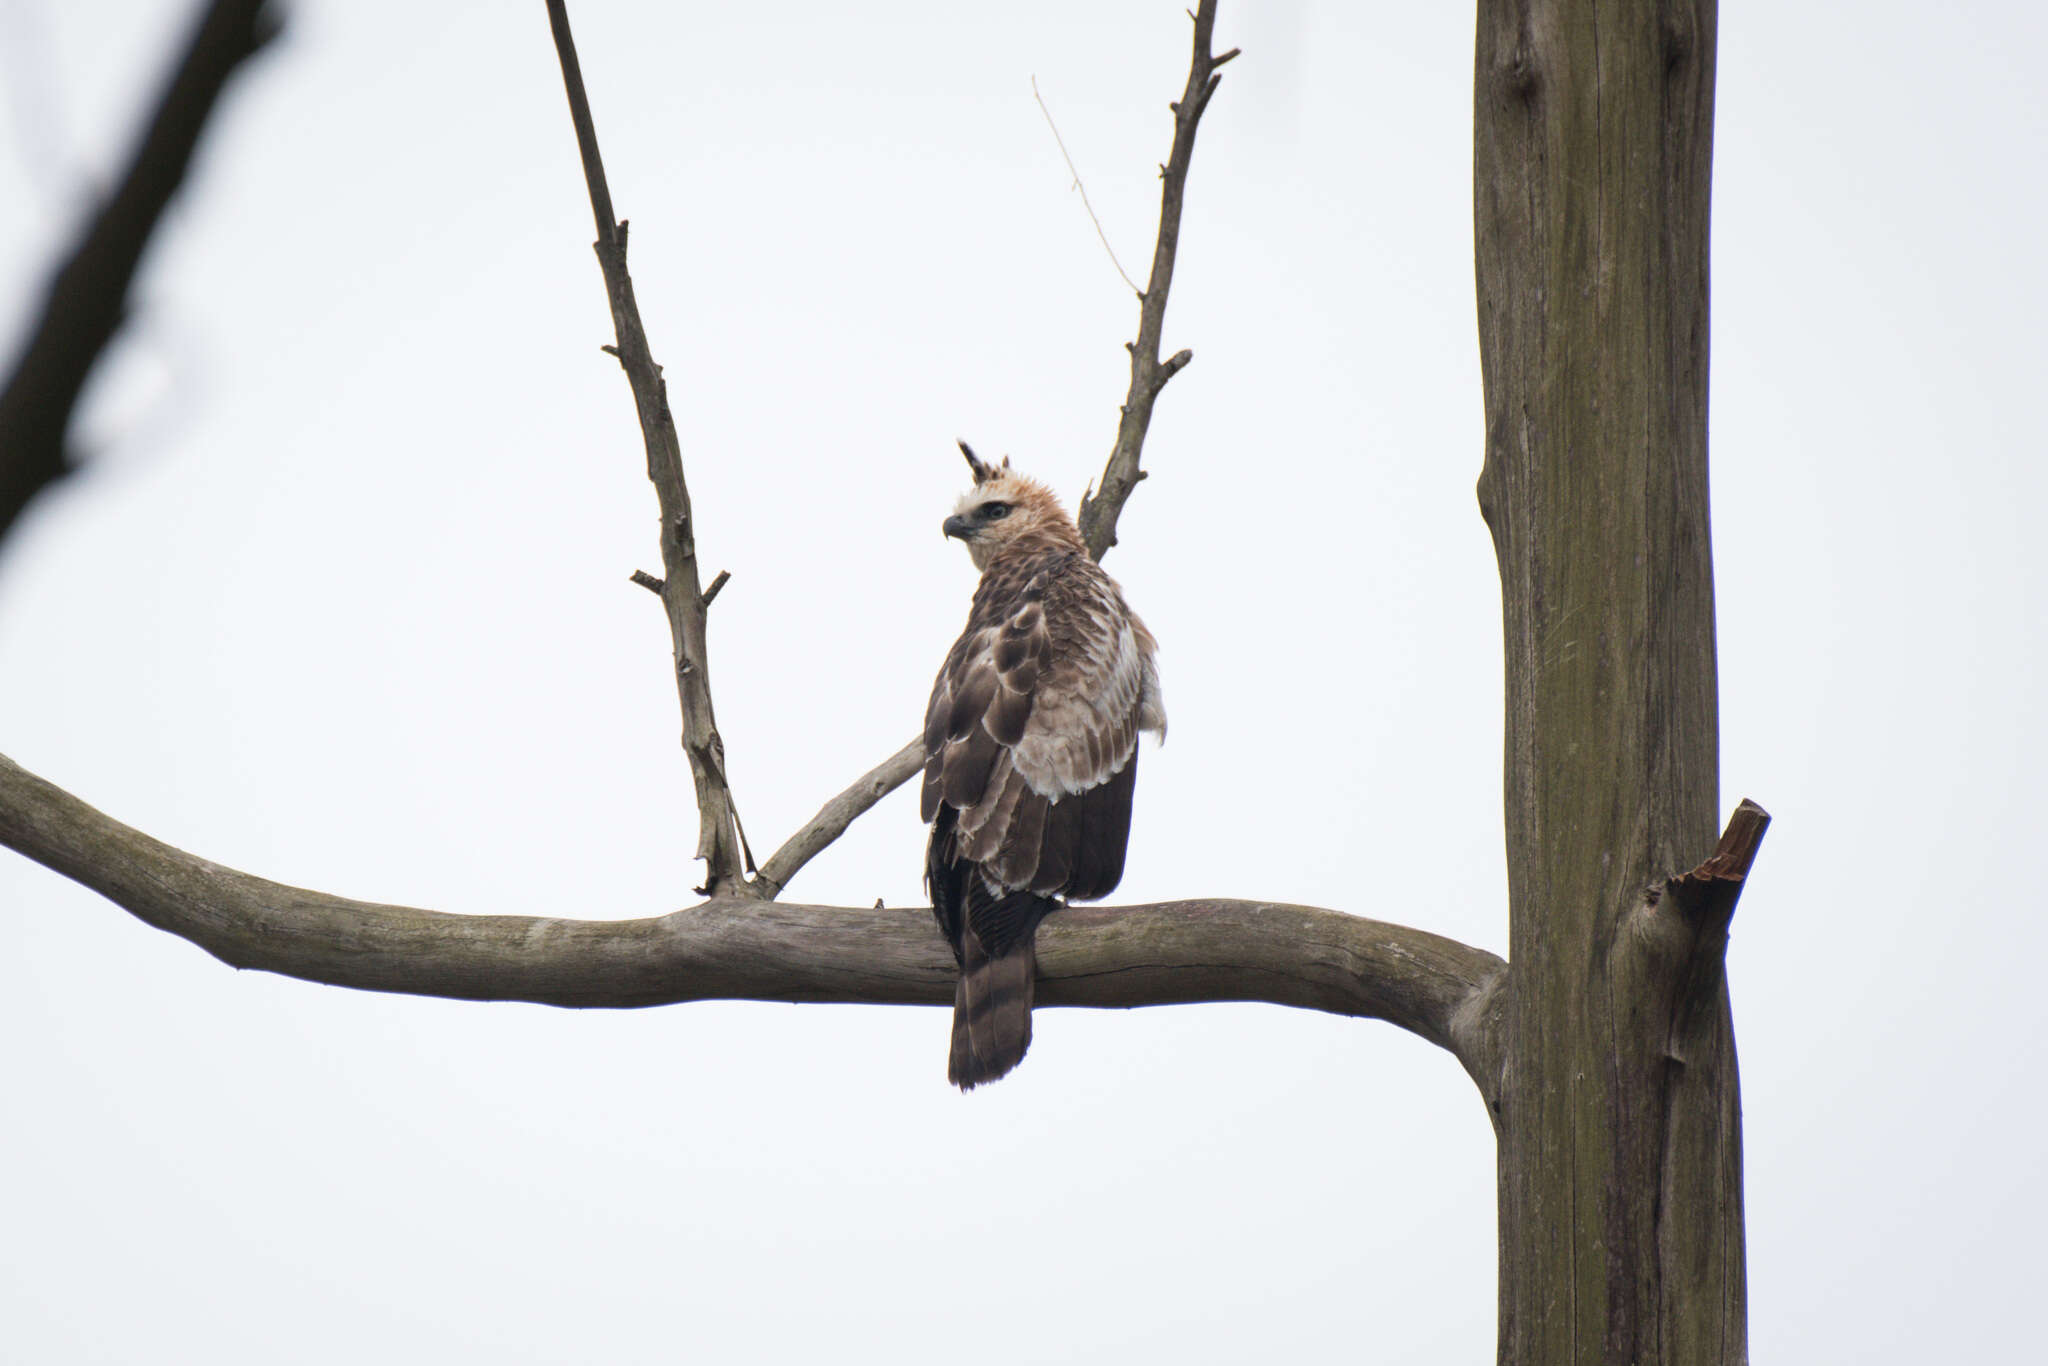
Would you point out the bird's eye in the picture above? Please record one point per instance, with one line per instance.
(993, 512)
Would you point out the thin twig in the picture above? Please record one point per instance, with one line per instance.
(1075, 172)
(719, 840)
(646, 581)
(836, 815)
(87, 296)
(1101, 508)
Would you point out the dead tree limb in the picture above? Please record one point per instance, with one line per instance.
(744, 949)
(834, 816)
(720, 841)
(1100, 510)
(87, 296)
(1703, 904)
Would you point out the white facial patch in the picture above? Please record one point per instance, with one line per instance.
(1004, 488)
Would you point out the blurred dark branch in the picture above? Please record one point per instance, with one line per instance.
(720, 842)
(1149, 374)
(737, 948)
(87, 298)
(1099, 511)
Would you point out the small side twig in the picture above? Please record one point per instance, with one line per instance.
(1704, 900)
(1706, 896)
(87, 296)
(647, 581)
(720, 842)
(1101, 508)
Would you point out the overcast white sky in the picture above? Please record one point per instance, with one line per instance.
(342, 601)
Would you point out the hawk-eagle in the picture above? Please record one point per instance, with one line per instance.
(1031, 753)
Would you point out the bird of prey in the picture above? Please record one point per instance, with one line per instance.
(1031, 753)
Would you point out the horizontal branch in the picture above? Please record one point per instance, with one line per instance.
(752, 950)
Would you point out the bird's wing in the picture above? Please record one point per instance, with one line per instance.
(984, 695)
(1031, 731)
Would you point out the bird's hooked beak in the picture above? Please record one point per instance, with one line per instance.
(961, 527)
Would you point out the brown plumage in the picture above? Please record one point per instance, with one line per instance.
(1031, 754)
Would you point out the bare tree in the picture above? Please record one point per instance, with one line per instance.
(1604, 1046)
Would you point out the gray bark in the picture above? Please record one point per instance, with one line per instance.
(1621, 1235)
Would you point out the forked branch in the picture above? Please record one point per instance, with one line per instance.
(720, 842)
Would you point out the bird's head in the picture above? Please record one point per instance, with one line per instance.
(1006, 511)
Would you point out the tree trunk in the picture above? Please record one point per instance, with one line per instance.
(1619, 1140)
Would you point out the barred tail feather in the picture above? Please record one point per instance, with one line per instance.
(960, 1063)
(992, 1012)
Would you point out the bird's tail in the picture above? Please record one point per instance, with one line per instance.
(992, 1010)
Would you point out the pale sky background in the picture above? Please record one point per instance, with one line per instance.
(342, 601)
